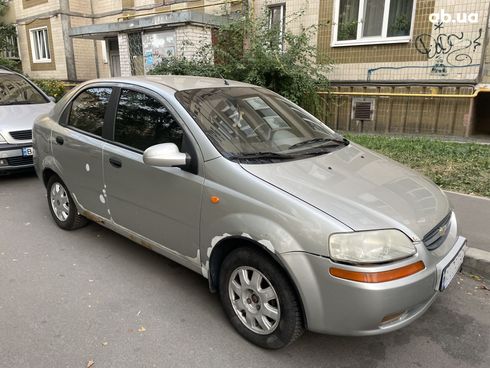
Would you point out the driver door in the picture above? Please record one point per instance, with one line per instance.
(161, 204)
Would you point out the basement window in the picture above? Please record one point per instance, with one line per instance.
(40, 45)
(365, 22)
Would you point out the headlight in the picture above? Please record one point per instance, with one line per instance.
(370, 246)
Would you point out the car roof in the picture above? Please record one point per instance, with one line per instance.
(181, 82)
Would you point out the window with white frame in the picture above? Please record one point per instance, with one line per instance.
(372, 21)
(277, 21)
(40, 45)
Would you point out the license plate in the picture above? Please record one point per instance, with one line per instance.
(451, 269)
(27, 151)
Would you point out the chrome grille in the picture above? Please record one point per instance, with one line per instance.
(434, 238)
(21, 135)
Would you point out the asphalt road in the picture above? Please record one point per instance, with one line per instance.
(67, 298)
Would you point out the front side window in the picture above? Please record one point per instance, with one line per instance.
(254, 124)
(142, 122)
(40, 45)
(88, 110)
(15, 90)
(372, 21)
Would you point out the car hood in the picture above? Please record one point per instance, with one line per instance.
(20, 117)
(362, 189)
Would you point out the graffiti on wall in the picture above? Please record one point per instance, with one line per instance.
(454, 49)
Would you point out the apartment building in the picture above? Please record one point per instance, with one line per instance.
(407, 66)
(76, 40)
(399, 66)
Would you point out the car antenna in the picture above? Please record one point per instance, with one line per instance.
(224, 80)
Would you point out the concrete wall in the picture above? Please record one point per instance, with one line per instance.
(84, 52)
(191, 38)
(425, 115)
(450, 51)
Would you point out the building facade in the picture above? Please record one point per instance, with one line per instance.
(398, 66)
(411, 66)
(76, 40)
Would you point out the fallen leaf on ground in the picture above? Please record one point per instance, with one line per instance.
(141, 329)
(484, 287)
(90, 363)
(475, 277)
(104, 343)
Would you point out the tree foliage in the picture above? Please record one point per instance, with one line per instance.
(52, 87)
(249, 50)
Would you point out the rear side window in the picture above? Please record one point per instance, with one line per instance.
(142, 121)
(89, 108)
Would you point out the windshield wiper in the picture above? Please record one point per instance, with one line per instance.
(318, 140)
(261, 156)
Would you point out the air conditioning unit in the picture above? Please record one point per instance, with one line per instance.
(363, 109)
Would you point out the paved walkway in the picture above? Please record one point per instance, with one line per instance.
(473, 214)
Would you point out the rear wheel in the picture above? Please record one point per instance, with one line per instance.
(259, 300)
(62, 207)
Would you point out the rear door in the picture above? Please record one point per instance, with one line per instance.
(161, 204)
(77, 145)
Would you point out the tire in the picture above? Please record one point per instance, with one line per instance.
(62, 206)
(267, 312)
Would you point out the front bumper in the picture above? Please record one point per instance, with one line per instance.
(337, 306)
(11, 157)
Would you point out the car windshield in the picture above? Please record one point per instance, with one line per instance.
(255, 124)
(16, 90)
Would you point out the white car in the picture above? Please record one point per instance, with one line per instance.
(21, 102)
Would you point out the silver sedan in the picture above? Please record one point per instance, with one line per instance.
(21, 102)
(293, 225)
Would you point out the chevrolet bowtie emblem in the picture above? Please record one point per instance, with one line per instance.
(442, 231)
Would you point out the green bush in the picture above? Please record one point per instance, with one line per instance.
(11, 64)
(249, 50)
(52, 87)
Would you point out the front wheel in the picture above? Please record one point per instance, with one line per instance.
(259, 300)
(62, 206)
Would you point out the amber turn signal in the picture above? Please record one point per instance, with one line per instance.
(373, 277)
(214, 199)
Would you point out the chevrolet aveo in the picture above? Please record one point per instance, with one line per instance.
(293, 225)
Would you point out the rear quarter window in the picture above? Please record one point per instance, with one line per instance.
(88, 110)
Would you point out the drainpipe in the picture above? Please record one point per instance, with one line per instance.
(96, 53)
(71, 71)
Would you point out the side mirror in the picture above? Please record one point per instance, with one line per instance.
(52, 99)
(165, 155)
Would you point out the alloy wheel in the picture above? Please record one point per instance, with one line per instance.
(254, 300)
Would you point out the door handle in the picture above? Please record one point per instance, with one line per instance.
(60, 140)
(115, 162)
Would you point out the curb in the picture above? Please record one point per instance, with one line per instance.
(477, 261)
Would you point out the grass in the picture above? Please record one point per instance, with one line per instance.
(460, 167)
